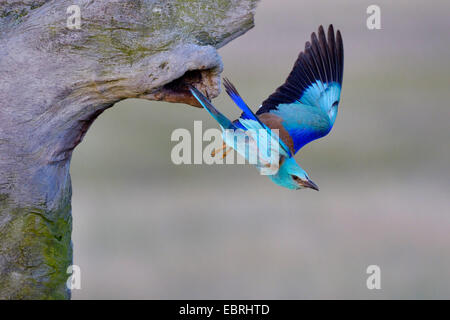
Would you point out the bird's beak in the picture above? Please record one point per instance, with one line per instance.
(310, 184)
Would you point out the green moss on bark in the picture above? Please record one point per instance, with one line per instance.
(35, 251)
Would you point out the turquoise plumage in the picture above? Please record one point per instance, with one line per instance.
(303, 109)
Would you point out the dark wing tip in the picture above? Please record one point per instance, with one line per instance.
(331, 30)
(321, 30)
(322, 38)
(340, 54)
(229, 87)
(322, 59)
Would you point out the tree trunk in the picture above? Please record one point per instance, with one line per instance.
(55, 81)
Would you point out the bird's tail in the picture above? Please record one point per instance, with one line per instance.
(224, 122)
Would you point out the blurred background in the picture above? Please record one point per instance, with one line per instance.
(145, 228)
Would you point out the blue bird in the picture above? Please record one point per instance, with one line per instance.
(301, 110)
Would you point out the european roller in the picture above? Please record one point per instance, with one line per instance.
(301, 110)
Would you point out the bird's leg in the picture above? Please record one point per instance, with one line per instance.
(216, 151)
(223, 148)
(225, 152)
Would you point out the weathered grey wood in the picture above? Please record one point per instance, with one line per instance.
(55, 81)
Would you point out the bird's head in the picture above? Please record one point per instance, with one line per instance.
(290, 175)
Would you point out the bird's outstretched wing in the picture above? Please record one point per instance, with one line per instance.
(307, 102)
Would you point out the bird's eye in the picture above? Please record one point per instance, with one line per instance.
(295, 178)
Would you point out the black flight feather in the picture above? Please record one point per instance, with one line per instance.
(322, 59)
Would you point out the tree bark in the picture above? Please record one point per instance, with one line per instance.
(55, 81)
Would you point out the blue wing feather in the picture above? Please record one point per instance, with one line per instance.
(304, 123)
